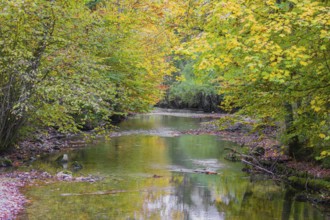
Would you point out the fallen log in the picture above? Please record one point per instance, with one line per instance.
(206, 172)
(257, 167)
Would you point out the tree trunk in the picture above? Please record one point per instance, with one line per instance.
(293, 142)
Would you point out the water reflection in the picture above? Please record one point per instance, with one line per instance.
(155, 179)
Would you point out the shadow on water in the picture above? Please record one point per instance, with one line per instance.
(152, 176)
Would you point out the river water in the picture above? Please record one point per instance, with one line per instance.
(151, 172)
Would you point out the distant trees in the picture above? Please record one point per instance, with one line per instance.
(185, 89)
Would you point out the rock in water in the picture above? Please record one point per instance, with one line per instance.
(65, 158)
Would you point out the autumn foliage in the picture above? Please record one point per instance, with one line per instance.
(272, 62)
(75, 64)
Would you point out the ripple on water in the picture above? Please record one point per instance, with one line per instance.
(208, 163)
(156, 132)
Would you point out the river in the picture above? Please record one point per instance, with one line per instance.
(151, 172)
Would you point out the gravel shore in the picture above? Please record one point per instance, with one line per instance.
(11, 200)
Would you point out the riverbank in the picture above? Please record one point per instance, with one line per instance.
(273, 150)
(43, 143)
(13, 202)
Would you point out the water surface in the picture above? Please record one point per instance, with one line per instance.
(150, 173)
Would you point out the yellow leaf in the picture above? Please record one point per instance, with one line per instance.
(322, 136)
(303, 63)
(324, 153)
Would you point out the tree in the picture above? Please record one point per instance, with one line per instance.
(272, 60)
(74, 64)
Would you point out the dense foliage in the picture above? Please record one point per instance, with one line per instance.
(72, 64)
(272, 61)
